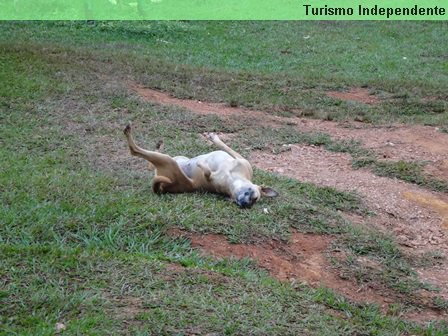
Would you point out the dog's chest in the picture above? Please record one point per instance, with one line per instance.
(220, 164)
(217, 160)
(187, 167)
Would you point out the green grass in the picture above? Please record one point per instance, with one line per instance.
(84, 240)
(93, 292)
(374, 258)
(285, 73)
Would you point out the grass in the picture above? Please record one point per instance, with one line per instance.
(224, 61)
(84, 241)
(93, 292)
(373, 258)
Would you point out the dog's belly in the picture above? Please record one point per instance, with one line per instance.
(213, 160)
(186, 167)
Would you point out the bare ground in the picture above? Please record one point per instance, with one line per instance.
(417, 217)
(356, 94)
(303, 259)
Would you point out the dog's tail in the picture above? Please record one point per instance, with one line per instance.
(159, 146)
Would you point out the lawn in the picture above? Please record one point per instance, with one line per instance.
(85, 243)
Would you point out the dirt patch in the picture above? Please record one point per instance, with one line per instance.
(436, 204)
(197, 106)
(416, 217)
(361, 95)
(438, 169)
(200, 107)
(393, 142)
(303, 259)
(127, 307)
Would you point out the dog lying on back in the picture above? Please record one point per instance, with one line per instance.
(224, 172)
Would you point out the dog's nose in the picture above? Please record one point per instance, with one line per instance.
(245, 205)
(245, 198)
(245, 202)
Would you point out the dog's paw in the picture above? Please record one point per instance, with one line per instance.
(211, 136)
(159, 145)
(127, 129)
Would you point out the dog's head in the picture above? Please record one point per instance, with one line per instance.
(248, 195)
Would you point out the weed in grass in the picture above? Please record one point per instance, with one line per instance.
(440, 303)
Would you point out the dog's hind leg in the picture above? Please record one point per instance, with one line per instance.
(159, 148)
(157, 159)
(213, 137)
(164, 164)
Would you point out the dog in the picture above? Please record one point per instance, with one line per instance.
(224, 172)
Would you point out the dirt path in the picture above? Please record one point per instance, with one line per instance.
(396, 142)
(410, 212)
(417, 217)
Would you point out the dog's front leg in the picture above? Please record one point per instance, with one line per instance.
(206, 170)
(214, 138)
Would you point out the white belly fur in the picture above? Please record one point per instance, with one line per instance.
(221, 164)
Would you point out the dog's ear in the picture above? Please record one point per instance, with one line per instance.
(268, 192)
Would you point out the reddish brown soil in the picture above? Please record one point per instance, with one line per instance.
(361, 95)
(303, 259)
(192, 105)
(394, 142)
(201, 107)
(438, 169)
(417, 217)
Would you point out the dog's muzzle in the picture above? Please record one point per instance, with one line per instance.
(245, 198)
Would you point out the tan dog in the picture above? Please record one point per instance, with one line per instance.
(224, 172)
